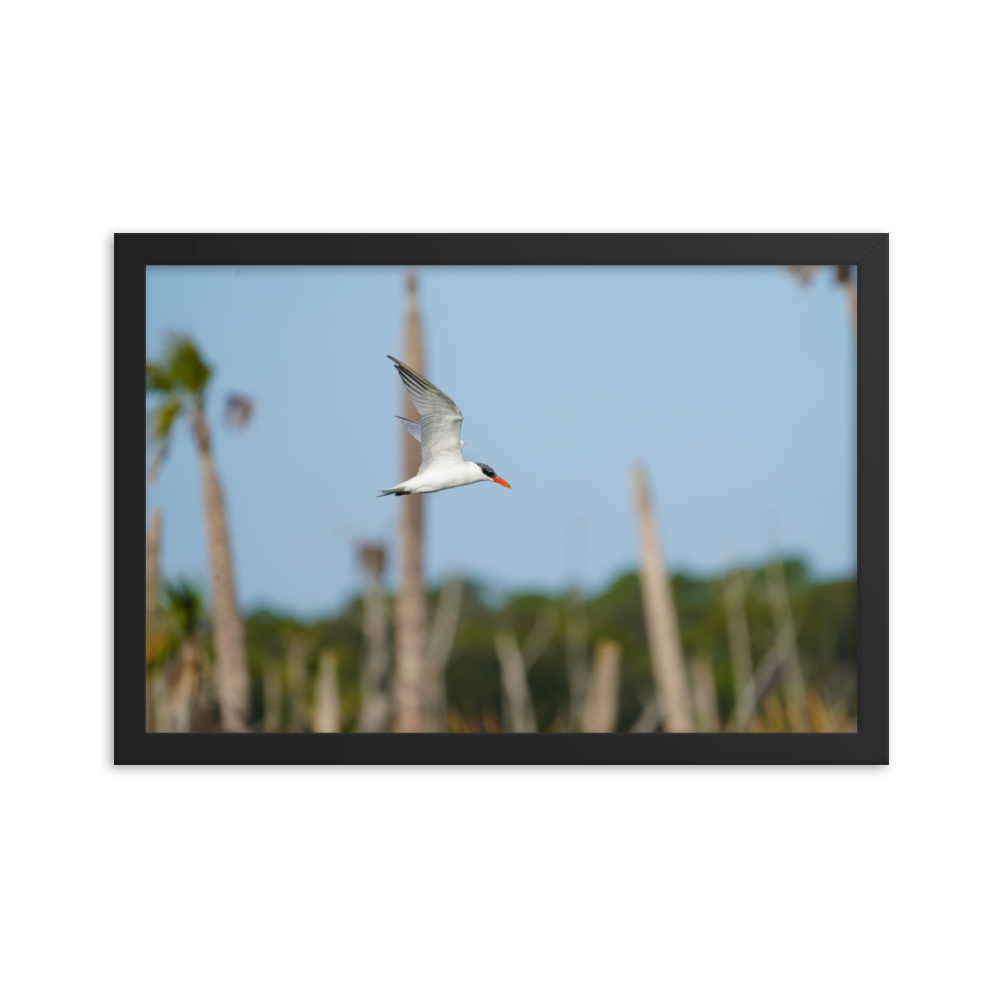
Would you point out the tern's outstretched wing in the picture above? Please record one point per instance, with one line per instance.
(440, 419)
(414, 428)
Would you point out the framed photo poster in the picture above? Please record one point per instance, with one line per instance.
(666, 540)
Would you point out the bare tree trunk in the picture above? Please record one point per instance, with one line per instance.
(784, 627)
(227, 624)
(661, 619)
(326, 713)
(519, 711)
(518, 708)
(152, 599)
(375, 671)
(295, 685)
(182, 698)
(601, 712)
(439, 651)
(756, 688)
(273, 695)
(411, 605)
(577, 667)
(706, 706)
(740, 654)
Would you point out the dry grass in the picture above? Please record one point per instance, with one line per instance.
(486, 721)
(824, 717)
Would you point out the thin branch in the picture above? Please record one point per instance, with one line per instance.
(439, 647)
(541, 634)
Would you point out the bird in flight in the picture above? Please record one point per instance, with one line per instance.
(442, 466)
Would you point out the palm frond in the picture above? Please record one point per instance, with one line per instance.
(187, 369)
(161, 645)
(184, 606)
(162, 418)
(157, 378)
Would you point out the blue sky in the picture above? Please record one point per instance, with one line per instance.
(735, 387)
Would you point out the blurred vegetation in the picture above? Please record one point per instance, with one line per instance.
(824, 612)
(178, 653)
(519, 663)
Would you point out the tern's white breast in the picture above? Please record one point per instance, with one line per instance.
(446, 477)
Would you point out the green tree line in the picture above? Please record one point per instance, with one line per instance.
(285, 652)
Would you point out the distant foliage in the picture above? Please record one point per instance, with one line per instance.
(824, 613)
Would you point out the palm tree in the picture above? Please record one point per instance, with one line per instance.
(184, 616)
(174, 657)
(178, 383)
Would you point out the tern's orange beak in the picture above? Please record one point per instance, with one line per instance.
(502, 482)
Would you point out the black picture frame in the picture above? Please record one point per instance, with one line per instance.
(869, 252)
